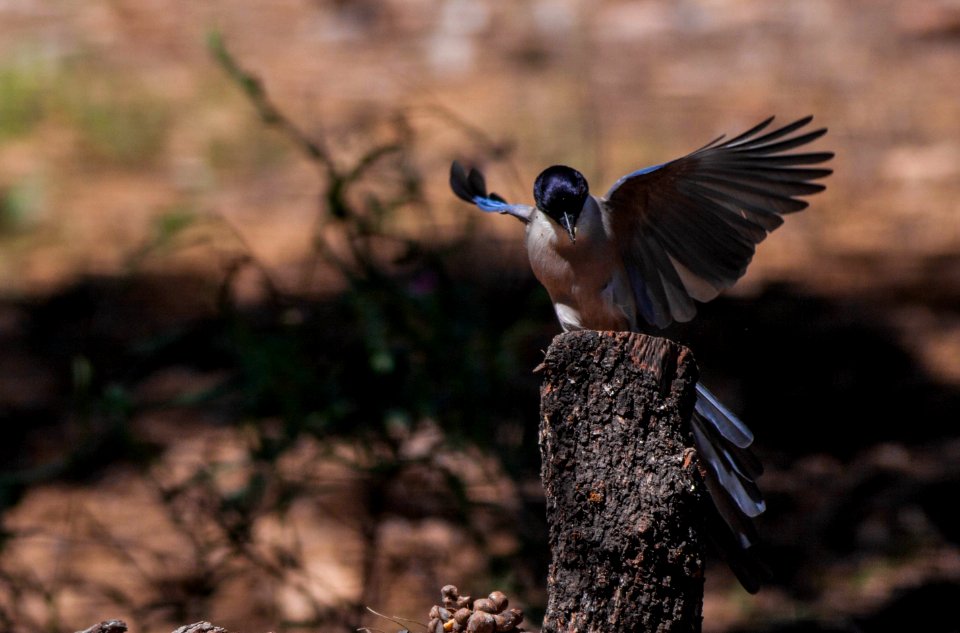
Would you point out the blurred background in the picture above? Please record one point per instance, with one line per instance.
(259, 367)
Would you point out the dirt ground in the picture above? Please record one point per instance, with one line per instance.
(118, 124)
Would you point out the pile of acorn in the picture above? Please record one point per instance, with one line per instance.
(486, 615)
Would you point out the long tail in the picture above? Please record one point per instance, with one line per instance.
(731, 473)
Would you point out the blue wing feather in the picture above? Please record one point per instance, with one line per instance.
(639, 172)
(471, 187)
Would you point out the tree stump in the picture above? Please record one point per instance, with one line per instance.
(620, 475)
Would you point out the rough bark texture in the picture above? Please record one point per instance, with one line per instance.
(619, 472)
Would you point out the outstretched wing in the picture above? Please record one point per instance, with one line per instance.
(693, 223)
(472, 187)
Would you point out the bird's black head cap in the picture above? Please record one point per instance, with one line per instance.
(560, 192)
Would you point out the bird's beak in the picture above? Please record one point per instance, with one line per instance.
(569, 226)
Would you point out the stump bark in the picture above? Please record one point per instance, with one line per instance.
(622, 491)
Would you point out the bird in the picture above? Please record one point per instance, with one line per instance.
(662, 239)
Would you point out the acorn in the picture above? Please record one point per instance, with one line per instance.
(458, 614)
(449, 595)
(481, 622)
(484, 604)
(508, 620)
(499, 600)
(462, 615)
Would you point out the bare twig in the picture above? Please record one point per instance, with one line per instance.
(269, 113)
(396, 619)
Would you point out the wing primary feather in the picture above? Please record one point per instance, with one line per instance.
(780, 186)
(762, 216)
(709, 145)
(806, 158)
(741, 219)
(780, 202)
(472, 187)
(459, 182)
(755, 129)
(775, 134)
(477, 182)
(774, 173)
(780, 146)
(742, 200)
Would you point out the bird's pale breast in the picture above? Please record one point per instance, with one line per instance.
(598, 296)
